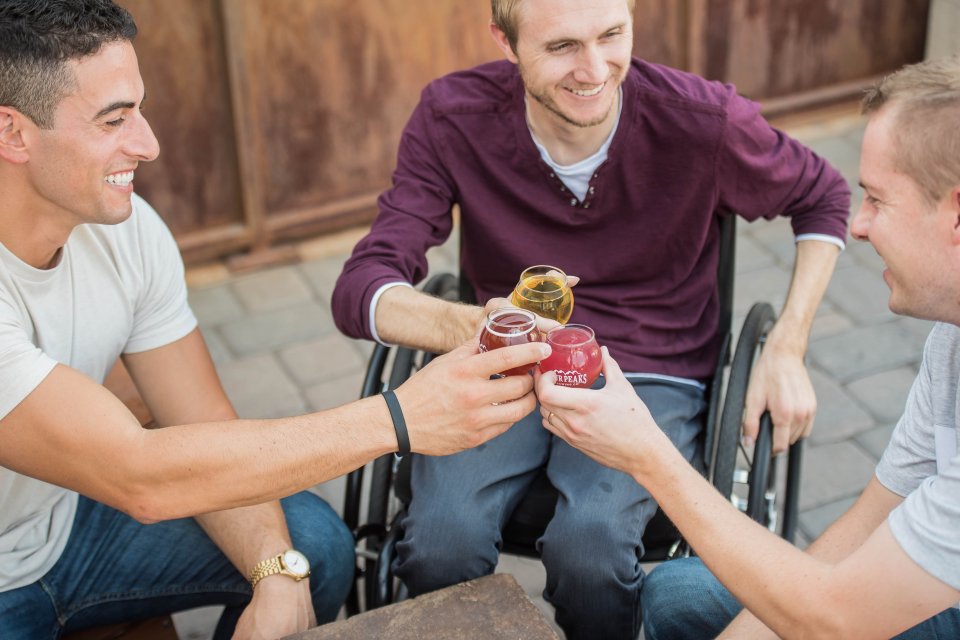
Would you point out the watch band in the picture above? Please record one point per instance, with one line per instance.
(265, 568)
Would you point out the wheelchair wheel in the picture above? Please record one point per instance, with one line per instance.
(751, 479)
(389, 367)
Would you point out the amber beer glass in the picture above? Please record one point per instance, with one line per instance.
(575, 355)
(508, 326)
(544, 290)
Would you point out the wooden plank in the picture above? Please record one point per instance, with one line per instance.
(334, 81)
(194, 183)
(776, 48)
(247, 121)
(660, 32)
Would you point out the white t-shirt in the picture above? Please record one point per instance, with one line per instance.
(117, 289)
(921, 461)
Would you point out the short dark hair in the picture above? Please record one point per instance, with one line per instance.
(38, 37)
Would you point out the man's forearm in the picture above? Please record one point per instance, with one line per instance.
(248, 535)
(840, 539)
(716, 530)
(414, 319)
(812, 269)
(303, 451)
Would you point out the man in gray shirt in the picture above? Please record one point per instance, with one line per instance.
(891, 564)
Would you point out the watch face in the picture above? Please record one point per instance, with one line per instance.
(296, 562)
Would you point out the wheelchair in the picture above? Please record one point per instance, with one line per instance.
(753, 480)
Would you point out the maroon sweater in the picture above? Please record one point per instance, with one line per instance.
(645, 239)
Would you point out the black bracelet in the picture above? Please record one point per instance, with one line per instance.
(399, 424)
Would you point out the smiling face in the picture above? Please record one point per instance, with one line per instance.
(917, 240)
(81, 169)
(572, 55)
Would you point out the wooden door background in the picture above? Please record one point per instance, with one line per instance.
(279, 119)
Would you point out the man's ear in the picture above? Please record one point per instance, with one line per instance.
(13, 147)
(953, 205)
(501, 39)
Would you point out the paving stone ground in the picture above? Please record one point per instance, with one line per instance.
(279, 353)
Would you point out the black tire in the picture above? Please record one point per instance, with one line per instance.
(762, 478)
(378, 590)
(405, 362)
(755, 327)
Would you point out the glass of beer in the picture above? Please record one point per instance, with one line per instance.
(543, 289)
(575, 357)
(509, 326)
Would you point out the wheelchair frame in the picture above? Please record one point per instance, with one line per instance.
(378, 535)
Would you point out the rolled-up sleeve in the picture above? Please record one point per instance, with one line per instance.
(764, 173)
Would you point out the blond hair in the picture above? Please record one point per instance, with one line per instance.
(504, 16)
(925, 102)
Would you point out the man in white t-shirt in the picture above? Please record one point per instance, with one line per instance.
(891, 564)
(89, 273)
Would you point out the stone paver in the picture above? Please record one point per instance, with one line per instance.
(833, 471)
(839, 415)
(277, 329)
(865, 255)
(272, 289)
(767, 284)
(218, 348)
(884, 393)
(775, 236)
(752, 255)
(842, 153)
(215, 305)
(814, 521)
(875, 441)
(919, 328)
(329, 358)
(865, 351)
(830, 324)
(322, 275)
(335, 392)
(860, 292)
(260, 388)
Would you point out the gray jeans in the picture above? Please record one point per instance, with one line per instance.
(591, 548)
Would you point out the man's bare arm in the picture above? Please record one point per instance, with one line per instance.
(845, 535)
(73, 432)
(780, 382)
(415, 319)
(180, 385)
(876, 591)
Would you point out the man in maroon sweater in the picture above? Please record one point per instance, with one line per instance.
(572, 153)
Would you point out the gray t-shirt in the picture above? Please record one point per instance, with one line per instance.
(921, 461)
(117, 289)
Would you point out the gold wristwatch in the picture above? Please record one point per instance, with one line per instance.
(291, 563)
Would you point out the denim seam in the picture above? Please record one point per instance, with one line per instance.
(61, 618)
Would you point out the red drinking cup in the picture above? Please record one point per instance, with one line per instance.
(509, 326)
(575, 357)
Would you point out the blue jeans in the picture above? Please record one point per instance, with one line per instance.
(682, 599)
(591, 547)
(115, 569)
